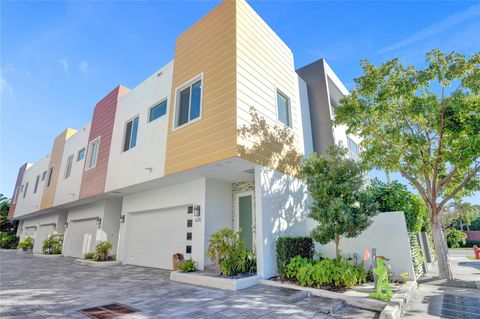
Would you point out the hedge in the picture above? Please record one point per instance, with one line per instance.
(289, 247)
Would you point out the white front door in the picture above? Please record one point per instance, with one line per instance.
(153, 237)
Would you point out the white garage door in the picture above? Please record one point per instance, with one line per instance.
(153, 237)
(41, 235)
(80, 238)
(30, 231)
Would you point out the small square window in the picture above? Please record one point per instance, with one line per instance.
(157, 111)
(189, 249)
(189, 236)
(189, 223)
(81, 154)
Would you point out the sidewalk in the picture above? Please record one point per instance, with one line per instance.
(438, 298)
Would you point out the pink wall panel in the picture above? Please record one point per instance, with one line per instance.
(13, 204)
(93, 180)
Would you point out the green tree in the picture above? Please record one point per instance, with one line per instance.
(6, 225)
(423, 123)
(341, 205)
(395, 196)
(463, 212)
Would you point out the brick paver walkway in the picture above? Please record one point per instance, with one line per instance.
(40, 287)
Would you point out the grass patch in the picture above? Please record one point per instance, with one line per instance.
(473, 258)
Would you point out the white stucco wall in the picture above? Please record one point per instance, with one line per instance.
(181, 194)
(305, 117)
(388, 234)
(31, 202)
(281, 210)
(218, 209)
(145, 161)
(68, 189)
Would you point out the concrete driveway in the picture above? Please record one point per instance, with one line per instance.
(55, 287)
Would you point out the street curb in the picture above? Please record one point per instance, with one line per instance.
(358, 302)
(395, 308)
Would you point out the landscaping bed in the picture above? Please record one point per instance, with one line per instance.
(213, 280)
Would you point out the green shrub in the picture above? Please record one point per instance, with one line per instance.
(26, 243)
(290, 271)
(456, 238)
(289, 247)
(102, 250)
(8, 240)
(327, 272)
(53, 244)
(228, 250)
(189, 266)
(90, 255)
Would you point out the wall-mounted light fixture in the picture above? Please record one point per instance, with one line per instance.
(99, 222)
(122, 219)
(196, 210)
(65, 225)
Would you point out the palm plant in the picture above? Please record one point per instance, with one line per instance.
(463, 212)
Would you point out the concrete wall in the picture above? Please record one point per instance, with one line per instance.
(281, 210)
(388, 234)
(307, 136)
(68, 189)
(149, 151)
(218, 207)
(181, 194)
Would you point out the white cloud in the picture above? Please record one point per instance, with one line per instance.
(84, 67)
(433, 29)
(64, 64)
(5, 87)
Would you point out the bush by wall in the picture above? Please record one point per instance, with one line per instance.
(327, 272)
(26, 243)
(53, 244)
(102, 251)
(289, 247)
(456, 238)
(8, 240)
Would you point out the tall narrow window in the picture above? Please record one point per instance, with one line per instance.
(93, 153)
(68, 168)
(353, 147)
(283, 108)
(131, 130)
(43, 175)
(25, 190)
(81, 154)
(189, 103)
(49, 177)
(36, 184)
(157, 111)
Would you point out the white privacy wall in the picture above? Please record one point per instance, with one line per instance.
(281, 210)
(388, 234)
(176, 195)
(145, 161)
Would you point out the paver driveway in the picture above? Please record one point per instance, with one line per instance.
(55, 287)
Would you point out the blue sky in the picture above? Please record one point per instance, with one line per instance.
(59, 58)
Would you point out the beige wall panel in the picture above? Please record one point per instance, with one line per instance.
(208, 47)
(56, 155)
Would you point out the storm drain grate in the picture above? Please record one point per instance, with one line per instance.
(108, 311)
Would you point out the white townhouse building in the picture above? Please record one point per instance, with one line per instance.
(162, 166)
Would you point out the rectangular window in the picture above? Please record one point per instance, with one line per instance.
(49, 177)
(189, 103)
(81, 154)
(68, 168)
(36, 184)
(21, 190)
(93, 153)
(130, 137)
(25, 191)
(43, 175)
(15, 195)
(158, 110)
(283, 108)
(353, 147)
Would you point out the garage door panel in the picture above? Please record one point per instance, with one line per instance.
(81, 237)
(153, 237)
(41, 236)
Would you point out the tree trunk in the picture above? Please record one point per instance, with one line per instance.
(461, 224)
(337, 247)
(441, 249)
